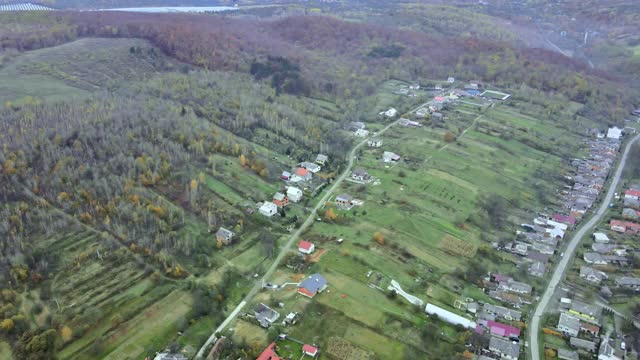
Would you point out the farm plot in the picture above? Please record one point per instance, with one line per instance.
(341, 349)
(96, 288)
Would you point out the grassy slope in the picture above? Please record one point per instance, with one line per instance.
(73, 70)
(5, 351)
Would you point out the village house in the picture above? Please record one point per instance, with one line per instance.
(265, 315)
(568, 324)
(594, 258)
(294, 194)
(270, 353)
(631, 283)
(280, 200)
(286, 176)
(632, 198)
(513, 299)
(515, 287)
(306, 247)
(356, 125)
(361, 133)
(268, 209)
(374, 142)
(451, 80)
(508, 350)
(608, 350)
(502, 330)
(314, 168)
(360, 174)
(586, 345)
(422, 112)
(391, 112)
(344, 201)
(591, 275)
(312, 285)
(301, 174)
(389, 156)
(585, 311)
(590, 329)
(629, 213)
(309, 350)
(537, 269)
(503, 312)
(564, 354)
(624, 226)
(224, 236)
(603, 248)
(614, 133)
(321, 159)
(600, 238)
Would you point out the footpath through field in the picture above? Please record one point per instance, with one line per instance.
(559, 273)
(285, 249)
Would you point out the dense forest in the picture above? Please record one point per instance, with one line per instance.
(337, 59)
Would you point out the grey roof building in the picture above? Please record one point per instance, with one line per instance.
(583, 344)
(564, 354)
(265, 315)
(628, 282)
(537, 269)
(569, 324)
(508, 350)
(503, 312)
(592, 275)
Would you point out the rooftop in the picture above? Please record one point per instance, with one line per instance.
(506, 347)
(313, 283)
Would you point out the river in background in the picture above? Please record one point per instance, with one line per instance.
(175, 9)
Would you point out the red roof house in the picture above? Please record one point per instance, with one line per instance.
(624, 226)
(280, 199)
(632, 193)
(270, 353)
(306, 247)
(565, 219)
(309, 350)
(503, 330)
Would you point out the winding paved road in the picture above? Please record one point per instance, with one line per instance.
(558, 273)
(285, 249)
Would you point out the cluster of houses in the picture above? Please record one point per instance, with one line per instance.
(537, 242)
(606, 256)
(273, 350)
(591, 174)
(581, 324)
(507, 290)
(491, 321)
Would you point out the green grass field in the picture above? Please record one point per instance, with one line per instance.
(5, 351)
(72, 71)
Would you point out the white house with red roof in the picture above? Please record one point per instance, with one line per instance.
(309, 350)
(306, 247)
(301, 174)
(632, 194)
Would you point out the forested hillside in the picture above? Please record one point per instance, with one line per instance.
(127, 140)
(335, 56)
